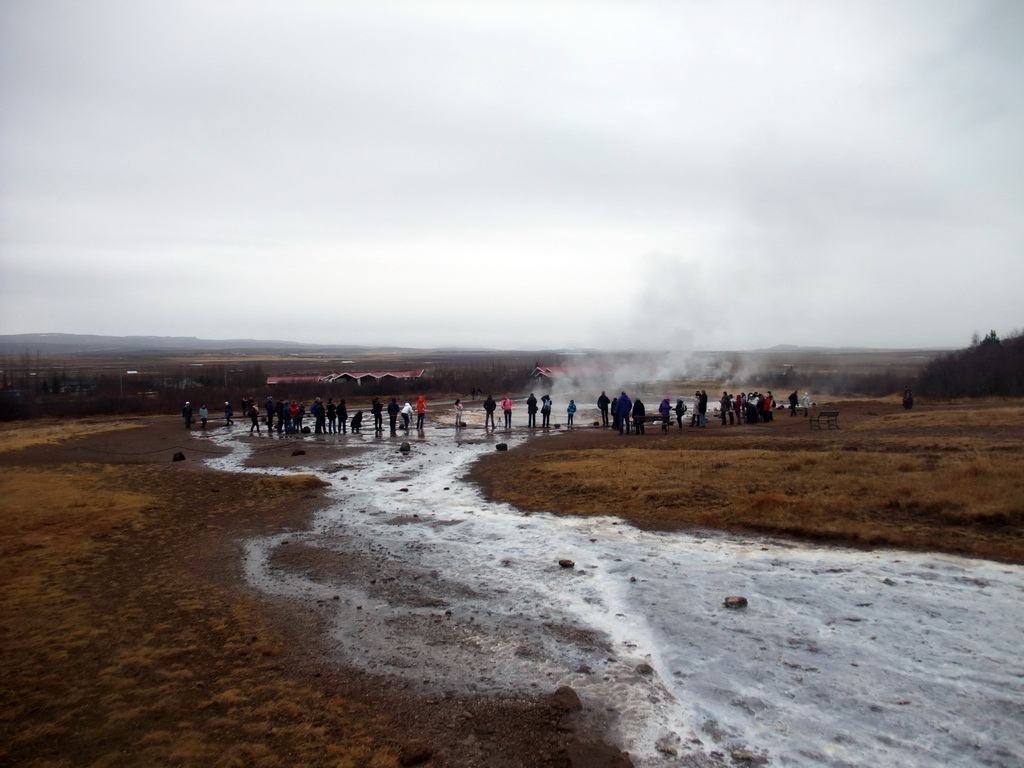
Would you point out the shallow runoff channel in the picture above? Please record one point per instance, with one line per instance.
(841, 658)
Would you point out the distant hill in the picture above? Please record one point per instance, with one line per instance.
(81, 343)
(69, 343)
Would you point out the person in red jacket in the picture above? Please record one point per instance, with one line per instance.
(421, 413)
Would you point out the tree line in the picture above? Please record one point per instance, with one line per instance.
(989, 367)
(31, 387)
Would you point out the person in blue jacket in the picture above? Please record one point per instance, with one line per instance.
(623, 407)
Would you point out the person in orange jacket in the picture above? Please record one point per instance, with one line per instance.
(421, 412)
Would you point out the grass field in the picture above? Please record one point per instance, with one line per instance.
(948, 479)
(120, 644)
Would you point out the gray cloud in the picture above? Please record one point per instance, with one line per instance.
(513, 174)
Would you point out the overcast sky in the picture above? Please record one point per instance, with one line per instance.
(672, 174)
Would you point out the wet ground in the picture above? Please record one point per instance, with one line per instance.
(840, 658)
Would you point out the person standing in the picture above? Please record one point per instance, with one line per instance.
(570, 411)
(531, 411)
(602, 405)
(908, 399)
(269, 405)
(680, 411)
(393, 410)
(725, 407)
(545, 411)
(254, 416)
(753, 409)
(459, 408)
(623, 406)
(406, 416)
(506, 408)
(421, 413)
(204, 415)
(793, 400)
(665, 409)
(342, 416)
(377, 407)
(639, 412)
(319, 417)
(489, 407)
(228, 413)
(186, 414)
(332, 416)
(702, 407)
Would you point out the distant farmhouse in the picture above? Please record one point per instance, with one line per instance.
(550, 372)
(573, 375)
(357, 376)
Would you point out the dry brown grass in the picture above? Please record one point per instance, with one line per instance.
(894, 479)
(17, 435)
(117, 650)
(289, 483)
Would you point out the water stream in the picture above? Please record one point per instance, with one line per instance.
(841, 658)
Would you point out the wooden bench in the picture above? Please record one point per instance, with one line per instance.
(831, 419)
(651, 418)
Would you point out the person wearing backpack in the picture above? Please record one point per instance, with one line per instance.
(254, 416)
(680, 411)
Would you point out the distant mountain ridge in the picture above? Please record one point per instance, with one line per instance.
(72, 343)
(56, 343)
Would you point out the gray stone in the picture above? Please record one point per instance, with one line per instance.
(566, 700)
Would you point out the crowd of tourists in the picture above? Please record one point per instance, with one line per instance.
(330, 417)
(620, 413)
(624, 414)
